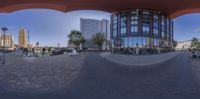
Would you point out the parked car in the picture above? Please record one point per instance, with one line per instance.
(73, 52)
(6, 50)
(57, 52)
(196, 54)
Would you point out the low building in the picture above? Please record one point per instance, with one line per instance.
(184, 45)
(9, 42)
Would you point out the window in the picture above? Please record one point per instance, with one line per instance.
(155, 24)
(134, 41)
(134, 29)
(145, 29)
(146, 22)
(130, 43)
(141, 41)
(123, 24)
(134, 21)
(167, 29)
(115, 21)
(155, 42)
(171, 31)
(126, 42)
(163, 27)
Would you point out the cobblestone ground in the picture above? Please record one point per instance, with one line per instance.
(44, 74)
(196, 65)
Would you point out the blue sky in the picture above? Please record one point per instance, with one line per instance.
(50, 27)
(185, 27)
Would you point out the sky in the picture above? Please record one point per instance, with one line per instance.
(185, 27)
(51, 27)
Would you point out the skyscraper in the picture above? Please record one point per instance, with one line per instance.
(22, 38)
(90, 27)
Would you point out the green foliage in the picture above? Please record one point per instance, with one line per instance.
(195, 43)
(175, 43)
(76, 38)
(98, 39)
(38, 44)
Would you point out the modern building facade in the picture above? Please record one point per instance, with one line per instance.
(22, 39)
(141, 31)
(9, 42)
(184, 45)
(90, 27)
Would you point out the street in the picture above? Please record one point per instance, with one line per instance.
(102, 79)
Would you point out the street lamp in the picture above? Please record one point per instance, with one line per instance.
(4, 29)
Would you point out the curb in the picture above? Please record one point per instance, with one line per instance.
(105, 55)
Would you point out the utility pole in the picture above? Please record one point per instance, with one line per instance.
(4, 29)
(28, 38)
(106, 48)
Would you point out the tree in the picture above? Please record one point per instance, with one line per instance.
(198, 45)
(175, 43)
(76, 38)
(194, 43)
(98, 39)
(37, 44)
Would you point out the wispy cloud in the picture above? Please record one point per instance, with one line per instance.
(198, 29)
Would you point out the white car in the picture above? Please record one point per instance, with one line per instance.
(196, 54)
(73, 53)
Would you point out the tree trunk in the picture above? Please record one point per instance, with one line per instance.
(99, 47)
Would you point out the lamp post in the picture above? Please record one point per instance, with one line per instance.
(4, 29)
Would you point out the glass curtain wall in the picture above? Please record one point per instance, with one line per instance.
(134, 22)
(146, 22)
(123, 25)
(146, 30)
(115, 21)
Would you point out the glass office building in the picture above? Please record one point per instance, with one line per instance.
(141, 32)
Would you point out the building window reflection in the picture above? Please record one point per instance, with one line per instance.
(142, 22)
(155, 42)
(115, 21)
(171, 30)
(123, 21)
(146, 22)
(134, 22)
(167, 29)
(155, 24)
(162, 26)
(149, 42)
(143, 42)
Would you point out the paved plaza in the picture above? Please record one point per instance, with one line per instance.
(99, 78)
(39, 74)
(196, 65)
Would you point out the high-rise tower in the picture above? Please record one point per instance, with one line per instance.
(22, 38)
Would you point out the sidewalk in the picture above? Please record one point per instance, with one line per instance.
(139, 60)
